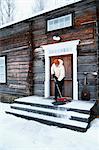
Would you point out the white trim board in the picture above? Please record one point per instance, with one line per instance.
(57, 49)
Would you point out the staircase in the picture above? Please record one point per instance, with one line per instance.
(75, 115)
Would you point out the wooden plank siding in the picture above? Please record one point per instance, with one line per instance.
(97, 41)
(84, 28)
(14, 43)
(21, 44)
(38, 72)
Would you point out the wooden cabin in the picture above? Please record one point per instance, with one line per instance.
(28, 47)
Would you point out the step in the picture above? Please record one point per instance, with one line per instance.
(73, 115)
(50, 106)
(61, 122)
(75, 105)
(52, 112)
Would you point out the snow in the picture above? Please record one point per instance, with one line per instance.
(64, 121)
(21, 134)
(60, 112)
(74, 104)
(35, 99)
(81, 105)
(22, 16)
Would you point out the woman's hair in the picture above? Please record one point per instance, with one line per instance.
(56, 61)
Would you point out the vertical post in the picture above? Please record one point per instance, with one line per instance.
(47, 76)
(30, 69)
(97, 45)
(75, 83)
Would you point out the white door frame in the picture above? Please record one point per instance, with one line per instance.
(63, 48)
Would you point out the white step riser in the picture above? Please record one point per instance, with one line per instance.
(65, 120)
(54, 114)
(74, 115)
(58, 111)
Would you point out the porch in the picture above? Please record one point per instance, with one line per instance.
(75, 115)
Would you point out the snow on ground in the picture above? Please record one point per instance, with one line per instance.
(21, 134)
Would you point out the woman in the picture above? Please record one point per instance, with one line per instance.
(58, 72)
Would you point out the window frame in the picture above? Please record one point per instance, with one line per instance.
(59, 17)
(4, 60)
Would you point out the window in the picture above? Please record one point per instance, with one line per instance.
(60, 22)
(2, 69)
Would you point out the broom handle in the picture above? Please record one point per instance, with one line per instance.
(58, 88)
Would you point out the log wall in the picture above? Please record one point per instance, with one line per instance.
(84, 28)
(21, 43)
(15, 44)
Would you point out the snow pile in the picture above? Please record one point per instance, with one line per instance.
(21, 134)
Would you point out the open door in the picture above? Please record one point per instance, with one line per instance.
(68, 81)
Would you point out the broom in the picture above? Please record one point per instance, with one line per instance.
(60, 99)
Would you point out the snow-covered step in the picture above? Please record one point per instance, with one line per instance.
(74, 115)
(35, 100)
(51, 106)
(82, 105)
(65, 122)
(52, 112)
(74, 105)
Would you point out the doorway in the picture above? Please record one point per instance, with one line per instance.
(68, 80)
(69, 49)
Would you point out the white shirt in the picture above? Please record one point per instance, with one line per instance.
(59, 70)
